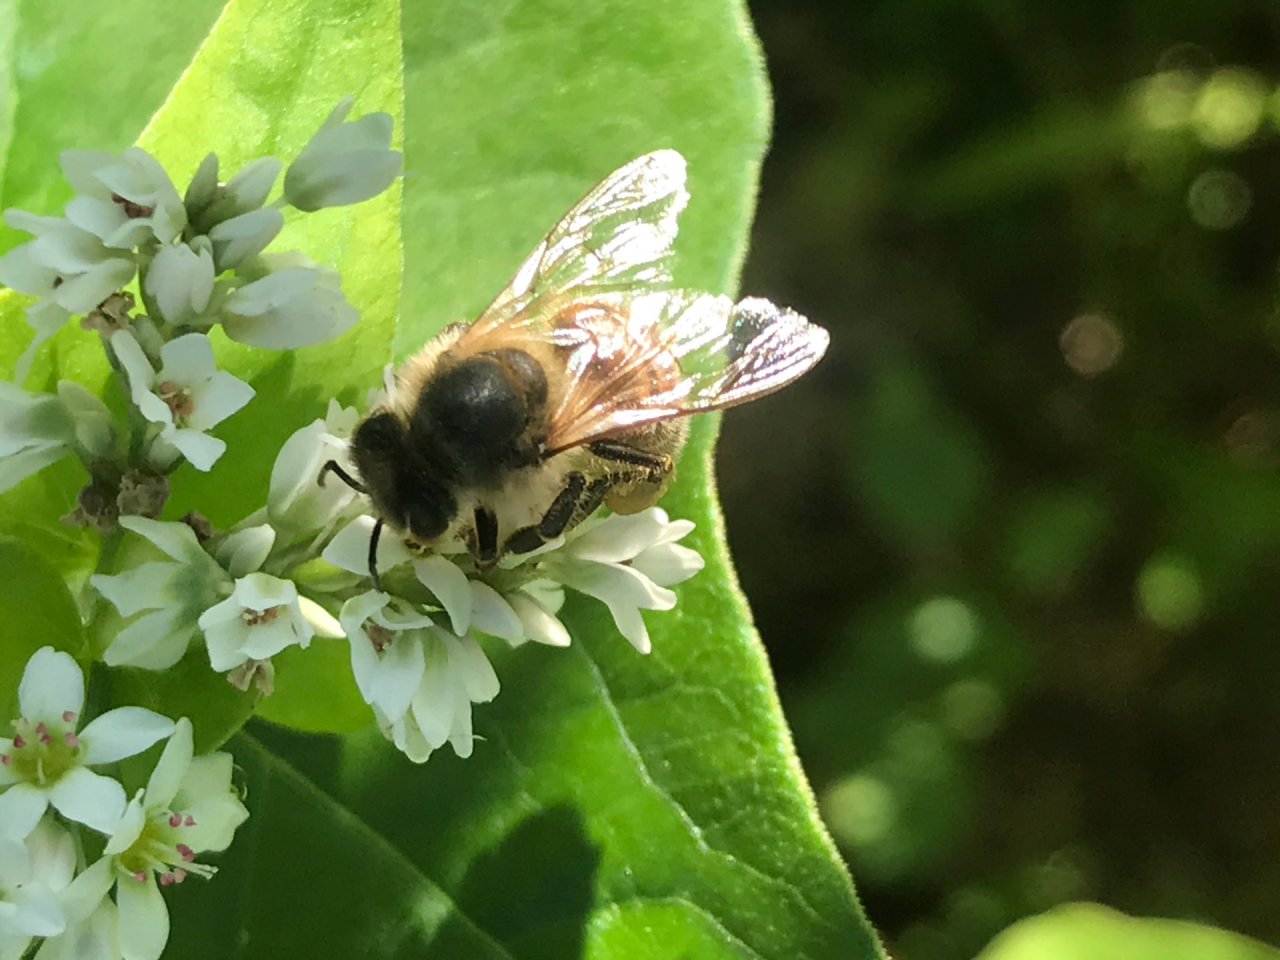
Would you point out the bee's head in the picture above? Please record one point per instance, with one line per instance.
(404, 491)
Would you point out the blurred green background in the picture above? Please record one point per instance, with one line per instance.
(1014, 547)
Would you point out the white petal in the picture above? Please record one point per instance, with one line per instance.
(180, 280)
(89, 798)
(539, 624)
(433, 705)
(132, 822)
(631, 625)
(155, 641)
(187, 360)
(15, 861)
(492, 614)
(397, 676)
(668, 563)
(82, 293)
(618, 538)
(616, 584)
(52, 684)
(261, 591)
(176, 539)
(21, 807)
(217, 398)
(359, 609)
(322, 622)
(39, 914)
(349, 550)
(478, 678)
(53, 854)
(88, 889)
(123, 732)
(141, 376)
(201, 451)
(449, 584)
(244, 551)
(172, 766)
(16, 467)
(250, 187)
(20, 271)
(144, 918)
(143, 587)
(244, 237)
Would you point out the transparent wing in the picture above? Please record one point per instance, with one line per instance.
(618, 237)
(662, 355)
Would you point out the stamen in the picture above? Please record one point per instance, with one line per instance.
(68, 716)
(133, 211)
(5, 760)
(18, 742)
(72, 740)
(254, 618)
(175, 820)
(140, 876)
(185, 852)
(189, 821)
(178, 875)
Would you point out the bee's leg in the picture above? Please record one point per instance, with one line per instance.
(333, 467)
(651, 466)
(373, 554)
(485, 546)
(577, 499)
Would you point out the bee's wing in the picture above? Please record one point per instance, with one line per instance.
(662, 355)
(618, 237)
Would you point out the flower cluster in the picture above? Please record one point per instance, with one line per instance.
(152, 272)
(55, 807)
(257, 589)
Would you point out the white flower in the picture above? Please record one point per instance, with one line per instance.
(188, 396)
(290, 308)
(175, 594)
(296, 501)
(37, 429)
(47, 761)
(343, 163)
(455, 675)
(123, 199)
(628, 563)
(260, 618)
(349, 550)
(243, 237)
(68, 268)
(209, 203)
(188, 807)
(33, 871)
(180, 281)
(386, 650)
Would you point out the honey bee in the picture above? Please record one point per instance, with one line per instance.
(572, 389)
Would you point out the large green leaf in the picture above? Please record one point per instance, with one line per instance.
(69, 91)
(1086, 931)
(619, 805)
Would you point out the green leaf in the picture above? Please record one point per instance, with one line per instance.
(36, 611)
(263, 81)
(66, 54)
(618, 805)
(1086, 931)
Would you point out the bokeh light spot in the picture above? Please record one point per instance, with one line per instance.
(1166, 100)
(860, 809)
(943, 629)
(1091, 344)
(1219, 199)
(1230, 108)
(1169, 593)
(972, 708)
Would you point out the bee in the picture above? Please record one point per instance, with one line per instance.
(573, 388)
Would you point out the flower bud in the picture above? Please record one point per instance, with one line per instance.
(344, 163)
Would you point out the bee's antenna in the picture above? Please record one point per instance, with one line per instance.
(333, 467)
(373, 554)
